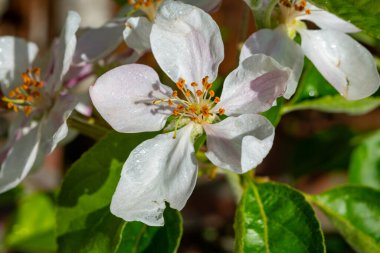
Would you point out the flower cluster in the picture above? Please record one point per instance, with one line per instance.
(187, 44)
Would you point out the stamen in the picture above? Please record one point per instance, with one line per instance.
(199, 93)
(24, 96)
(221, 111)
(216, 100)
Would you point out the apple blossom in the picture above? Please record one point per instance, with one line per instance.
(187, 44)
(41, 102)
(343, 62)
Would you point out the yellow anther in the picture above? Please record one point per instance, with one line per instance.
(188, 93)
(36, 71)
(199, 93)
(205, 80)
(212, 93)
(194, 84)
(175, 94)
(180, 107)
(27, 110)
(180, 84)
(12, 94)
(170, 102)
(308, 11)
(221, 111)
(25, 78)
(175, 112)
(216, 100)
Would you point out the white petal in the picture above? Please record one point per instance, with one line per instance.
(54, 123)
(158, 170)
(186, 42)
(277, 44)
(64, 51)
(19, 159)
(16, 56)
(136, 34)
(96, 43)
(326, 20)
(124, 97)
(346, 64)
(253, 86)
(206, 5)
(239, 143)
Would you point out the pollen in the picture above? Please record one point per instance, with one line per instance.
(199, 93)
(180, 84)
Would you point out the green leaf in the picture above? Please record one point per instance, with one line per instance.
(140, 238)
(365, 162)
(365, 14)
(313, 155)
(33, 226)
(274, 113)
(312, 84)
(355, 212)
(262, 11)
(275, 218)
(336, 104)
(84, 221)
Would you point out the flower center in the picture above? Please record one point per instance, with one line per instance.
(149, 7)
(196, 105)
(290, 10)
(24, 97)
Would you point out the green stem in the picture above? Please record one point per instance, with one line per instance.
(87, 127)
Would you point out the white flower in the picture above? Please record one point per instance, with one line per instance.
(343, 62)
(137, 30)
(187, 44)
(42, 105)
(96, 43)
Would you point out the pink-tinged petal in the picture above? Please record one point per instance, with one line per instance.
(16, 56)
(186, 42)
(206, 5)
(54, 123)
(277, 44)
(136, 34)
(326, 20)
(96, 43)
(346, 64)
(63, 52)
(158, 170)
(124, 97)
(239, 143)
(253, 86)
(20, 158)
